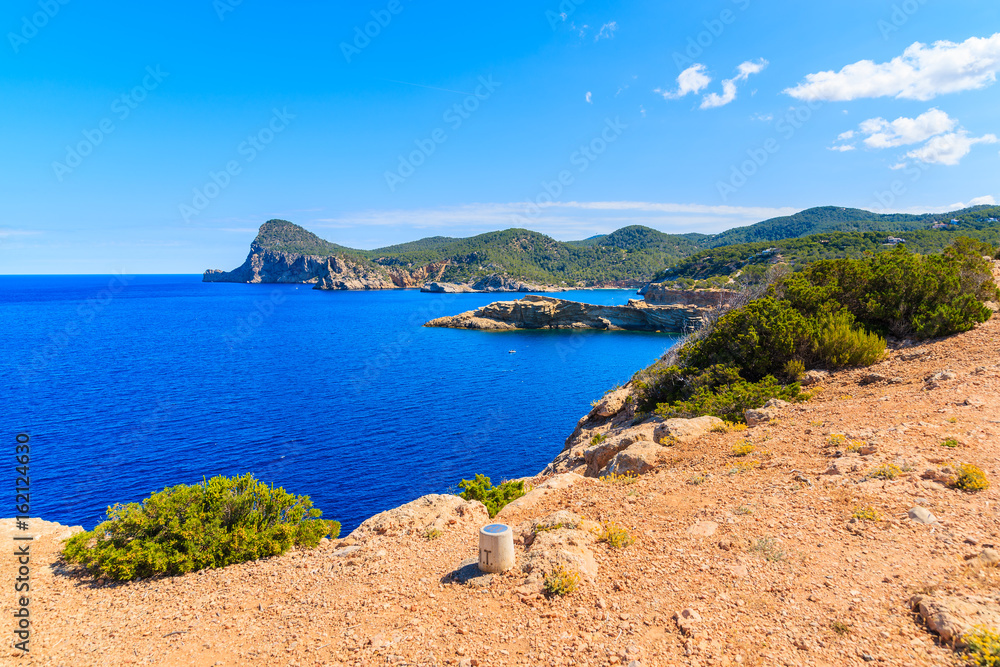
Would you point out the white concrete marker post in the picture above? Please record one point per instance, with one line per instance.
(496, 548)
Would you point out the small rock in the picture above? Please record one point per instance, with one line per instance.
(872, 378)
(921, 515)
(941, 376)
(988, 558)
(813, 377)
(974, 401)
(703, 529)
(687, 621)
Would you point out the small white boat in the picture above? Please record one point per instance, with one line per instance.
(511, 351)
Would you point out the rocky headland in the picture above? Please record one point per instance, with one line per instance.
(542, 312)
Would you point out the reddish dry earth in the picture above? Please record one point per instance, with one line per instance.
(785, 579)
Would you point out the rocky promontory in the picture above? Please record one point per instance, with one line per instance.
(542, 312)
(489, 284)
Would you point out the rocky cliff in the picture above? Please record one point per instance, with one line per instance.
(542, 312)
(489, 284)
(659, 294)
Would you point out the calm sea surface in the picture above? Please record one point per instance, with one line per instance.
(128, 385)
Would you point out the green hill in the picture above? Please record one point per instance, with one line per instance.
(637, 254)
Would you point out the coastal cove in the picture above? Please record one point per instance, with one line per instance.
(343, 396)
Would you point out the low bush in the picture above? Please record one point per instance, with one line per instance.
(730, 401)
(867, 513)
(838, 343)
(493, 497)
(742, 448)
(614, 535)
(970, 478)
(221, 521)
(886, 471)
(982, 646)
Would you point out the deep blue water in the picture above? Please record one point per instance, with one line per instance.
(130, 385)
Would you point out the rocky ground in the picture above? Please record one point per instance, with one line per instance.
(750, 559)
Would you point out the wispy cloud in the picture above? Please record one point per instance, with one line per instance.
(920, 73)
(695, 79)
(745, 69)
(589, 97)
(607, 31)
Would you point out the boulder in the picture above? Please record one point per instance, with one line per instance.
(685, 430)
(430, 512)
(921, 515)
(814, 377)
(637, 459)
(598, 456)
(951, 617)
(611, 404)
(561, 481)
(563, 547)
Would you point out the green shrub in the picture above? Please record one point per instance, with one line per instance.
(221, 521)
(758, 339)
(898, 292)
(794, 369)
(494, 497)
(838, 343)
(598, 439)
(561, 581)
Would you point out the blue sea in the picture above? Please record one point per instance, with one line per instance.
(127, 385)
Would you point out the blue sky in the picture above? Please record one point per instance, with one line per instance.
(151, 139)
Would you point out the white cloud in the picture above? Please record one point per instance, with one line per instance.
(988, 200)
(949, 149)
(842, 149)
(898, 166)
(920, 73)
(642, 110)
(902, 131)
(589, 97)
(692, 80)
(607, 31)
(945, 141)
(763, 117)
(745, 69)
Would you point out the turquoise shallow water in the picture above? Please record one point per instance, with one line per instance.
(130, 385)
